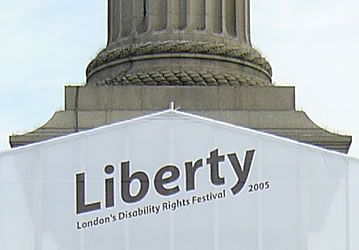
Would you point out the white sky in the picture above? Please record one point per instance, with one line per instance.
(46, 44)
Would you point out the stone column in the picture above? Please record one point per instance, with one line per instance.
(179, 42)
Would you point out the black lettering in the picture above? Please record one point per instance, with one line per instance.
(242, 174)
(214, 161)
(109, 187)
(190, 173)
(160, 180)
(126, 180)
(81, 207)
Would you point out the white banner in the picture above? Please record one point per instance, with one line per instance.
(177, 181)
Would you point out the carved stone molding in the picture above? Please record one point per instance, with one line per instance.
(183, 78)
(242, 52)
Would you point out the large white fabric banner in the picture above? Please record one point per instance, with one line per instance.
(177, 181)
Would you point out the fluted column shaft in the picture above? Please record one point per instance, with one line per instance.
(227, 18)
(180, 42)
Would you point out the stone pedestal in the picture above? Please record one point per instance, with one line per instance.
(196, 53)
(266, 108)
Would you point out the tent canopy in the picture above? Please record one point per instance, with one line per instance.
(172, 180)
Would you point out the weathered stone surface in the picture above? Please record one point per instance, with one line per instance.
(242, 52)
(189, 98)
(290, 124)
(196, 53)
(183, 78)
(160, 35)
